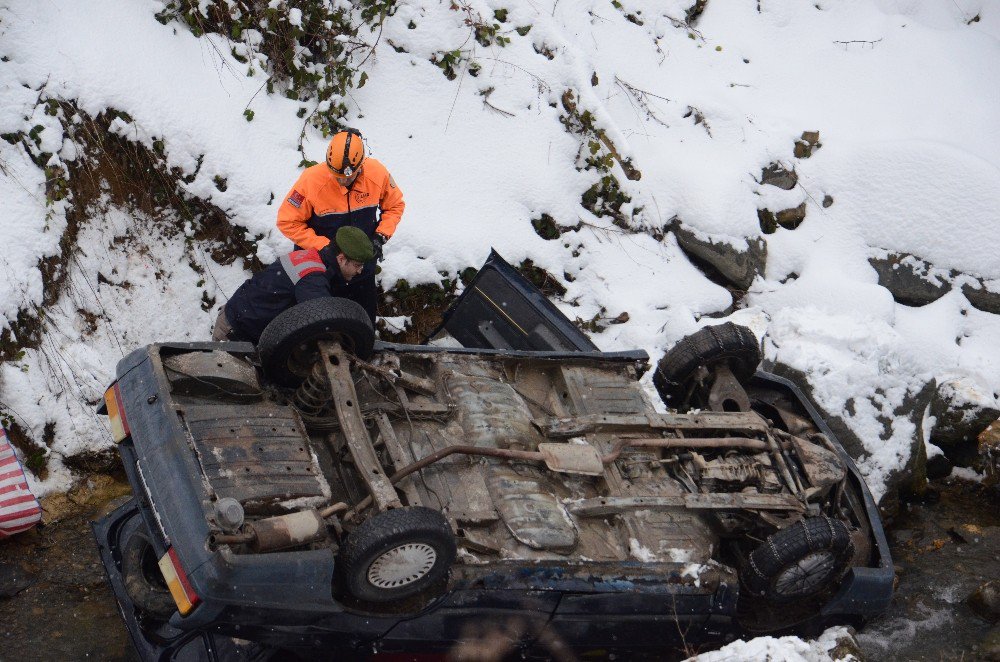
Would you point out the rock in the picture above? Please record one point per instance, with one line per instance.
(907, 279)
(982, 298)
(990, 645)
(775, 174)
(989, 453)
(847, 647)
(737, 267)
(938, 466)
(962, 410)
(791, 218)
(805, 146)
(985, 601)
(827, 201)
(768, 223)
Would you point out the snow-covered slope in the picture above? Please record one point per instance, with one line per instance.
(906, 109)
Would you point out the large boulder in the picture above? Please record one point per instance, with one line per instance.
(737, 266)
(962, 409)
(911, 281)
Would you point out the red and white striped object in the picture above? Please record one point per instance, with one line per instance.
(19, 509)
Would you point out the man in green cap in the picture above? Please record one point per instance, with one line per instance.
(296, 277)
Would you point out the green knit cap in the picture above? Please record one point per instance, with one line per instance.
(354, 244)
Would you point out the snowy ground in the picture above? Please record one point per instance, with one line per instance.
(907, 109)
(908, 119)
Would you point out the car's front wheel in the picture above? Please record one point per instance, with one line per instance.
(397, 554)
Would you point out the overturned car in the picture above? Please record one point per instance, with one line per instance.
(322, 492)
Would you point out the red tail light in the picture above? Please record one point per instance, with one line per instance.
(116, 414)
(177, 581)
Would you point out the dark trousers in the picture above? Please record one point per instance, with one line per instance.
(363, 291)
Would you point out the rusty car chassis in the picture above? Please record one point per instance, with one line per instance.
(385, 503)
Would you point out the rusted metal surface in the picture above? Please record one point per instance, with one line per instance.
(821, 466)
(726, 393)
(256, 454)
(527, 506)
(604, 506)
(285, 531)
(677, 443)
(595, 391)
(572, 458)
(403, 378)
(400, 455)
(215, 373)
(589, 423)
(352, 425)
(490, 411)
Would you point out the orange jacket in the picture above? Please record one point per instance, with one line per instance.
(318, 206)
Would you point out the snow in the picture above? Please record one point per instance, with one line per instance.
(908, 127)
(786, 649)
(908, 121)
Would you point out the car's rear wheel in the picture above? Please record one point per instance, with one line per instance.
(677, 372)
(397, 554)
(288, 346)
(800, 561)
(141, 574)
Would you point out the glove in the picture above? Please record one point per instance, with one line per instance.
(378, 241)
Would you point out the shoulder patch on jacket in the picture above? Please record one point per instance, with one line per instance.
(299, 264)
(295, 199)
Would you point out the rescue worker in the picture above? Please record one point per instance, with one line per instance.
(348, 189)
(296, 277)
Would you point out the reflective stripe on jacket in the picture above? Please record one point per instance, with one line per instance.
(296, 277)
(318, 206)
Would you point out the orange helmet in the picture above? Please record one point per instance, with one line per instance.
(345, 153)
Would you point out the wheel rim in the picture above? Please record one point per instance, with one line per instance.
(402, 565)
(806, 576)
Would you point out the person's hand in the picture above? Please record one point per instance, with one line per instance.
(377, 242)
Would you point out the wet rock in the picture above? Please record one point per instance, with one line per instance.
(962, 410)
(775, 174)
(990, 646)
(938, 466)
(807, 144)
(989, 453)
(847, 647)
(14, 578)
(986, 601)
(911, 281)
(737, 267)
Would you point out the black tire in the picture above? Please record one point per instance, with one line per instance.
(287, 347)
(726, 343)
(800, 561)
(397, 554)
(141, 574)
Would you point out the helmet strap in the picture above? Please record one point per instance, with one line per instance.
(347, 167)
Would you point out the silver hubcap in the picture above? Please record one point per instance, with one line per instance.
(807, 576)
(402, 565)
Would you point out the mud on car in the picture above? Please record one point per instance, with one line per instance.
(329, 494)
